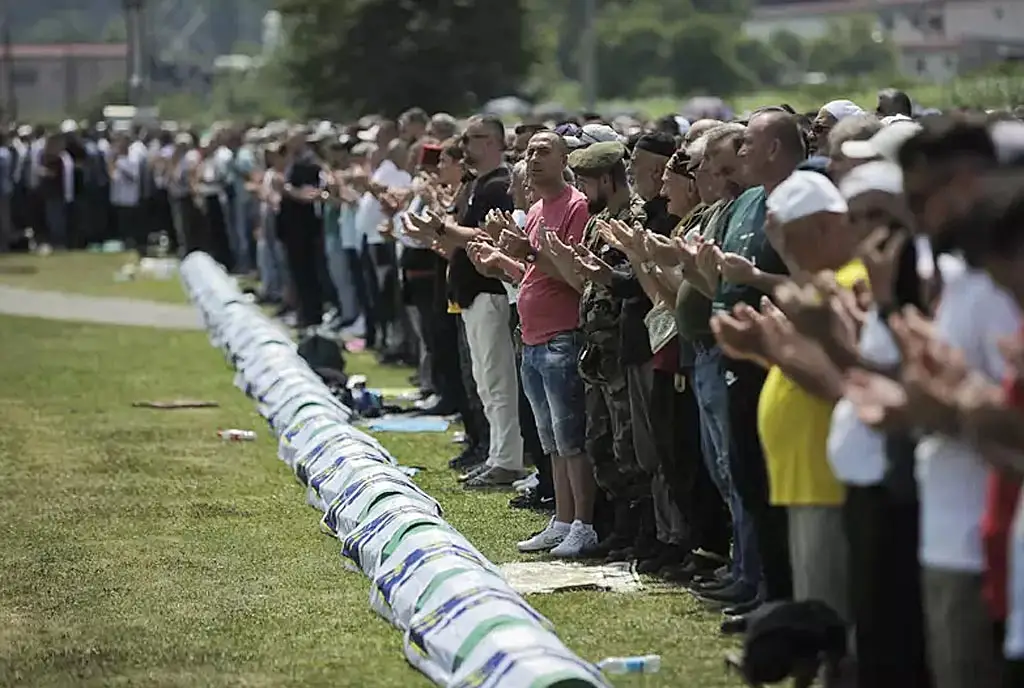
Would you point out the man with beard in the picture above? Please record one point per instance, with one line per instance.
(601, 171)
(660, 523)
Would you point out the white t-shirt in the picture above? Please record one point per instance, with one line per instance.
(404, 239)
(126, 184)
(369, 215)
(511, 289)
(856, 452)
(973, 315)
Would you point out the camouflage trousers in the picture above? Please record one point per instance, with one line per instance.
(609, 440)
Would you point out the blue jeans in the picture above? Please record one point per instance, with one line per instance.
(339, 270)
(713, 400)
(552, 383)
(271, 261)
(240, 230)
(56, 221)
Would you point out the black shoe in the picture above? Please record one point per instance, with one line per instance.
(532, 500)
(528, 499)
(734, 625)
(713, 584)
(677, 573)
(469, 458)
(693, 566)
(670, 555)
(622, 535)
(646, 545)
(440, 409)
(744, 609)
(729, 596)
(613, 543)
(621, 554)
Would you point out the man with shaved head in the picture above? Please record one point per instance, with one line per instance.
(748, 268)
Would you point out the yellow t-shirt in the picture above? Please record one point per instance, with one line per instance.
(794, 427)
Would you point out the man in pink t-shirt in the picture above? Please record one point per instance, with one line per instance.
(549, 300)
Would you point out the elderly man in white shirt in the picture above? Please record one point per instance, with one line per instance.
(126, 166)
(942, 168)
(378, 259)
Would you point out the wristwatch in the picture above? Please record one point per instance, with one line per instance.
(531, 257)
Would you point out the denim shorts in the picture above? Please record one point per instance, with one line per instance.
(552, 383)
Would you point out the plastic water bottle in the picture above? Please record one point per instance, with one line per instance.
(234, 435)
(647, 664)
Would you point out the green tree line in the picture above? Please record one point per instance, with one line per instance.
(352, 56)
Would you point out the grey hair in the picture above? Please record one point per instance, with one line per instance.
(856, 128)
(695, 151)
(519, 170)
(722, 132)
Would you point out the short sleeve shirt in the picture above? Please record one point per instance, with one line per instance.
(745, 235)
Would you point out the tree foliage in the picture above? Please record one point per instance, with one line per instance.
(352, 56)
(695, 46)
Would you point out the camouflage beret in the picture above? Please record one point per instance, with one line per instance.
(596, 159)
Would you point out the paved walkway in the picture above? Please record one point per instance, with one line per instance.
(105, 310)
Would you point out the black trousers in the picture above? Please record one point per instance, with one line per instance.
(750, 477)
(303, 247)
(131, 227)
(478, 430)
(885, 581)
(368, 269)
(217, 231)
(676, 424)
(159, 220)
(354, 256)
(527, 423)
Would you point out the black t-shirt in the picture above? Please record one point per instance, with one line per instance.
(305, 171)
(489, 192)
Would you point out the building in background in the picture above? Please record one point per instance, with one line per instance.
(934, 39)
(54, 81)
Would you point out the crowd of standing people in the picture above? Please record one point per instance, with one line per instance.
(770, 358)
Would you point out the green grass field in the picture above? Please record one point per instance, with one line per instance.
(84, 273)
(138, 549)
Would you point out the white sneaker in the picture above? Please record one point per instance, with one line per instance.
(582, 537)
(430, 402)
(528, 483)
(550, 537)
(356, 330)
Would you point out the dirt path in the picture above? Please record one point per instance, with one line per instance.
(53, 305)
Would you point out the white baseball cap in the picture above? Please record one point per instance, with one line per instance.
(841, 109)
(885, 144)
(1008, 139)
(878, 175)
(802, 194)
